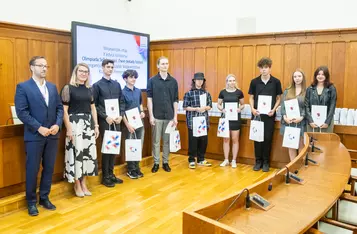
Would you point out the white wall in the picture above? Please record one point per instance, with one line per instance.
(166, 19)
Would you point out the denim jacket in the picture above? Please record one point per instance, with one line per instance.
(328, 98)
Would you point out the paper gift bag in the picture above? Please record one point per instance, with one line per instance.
(112, 108)
(171, 127)
(319, 114)
(133, 150)
(256, 131)
(111, 142)
(231, 110)
(133, 117)
(264, 104)
(175, 141)
(291, 137)
(292, 108)
(223, 128)
(199, 127)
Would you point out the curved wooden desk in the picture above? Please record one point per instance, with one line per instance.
(296, 207)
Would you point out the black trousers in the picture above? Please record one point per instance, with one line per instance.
(107, 159)
(45, 150)
(262, 149)
(196, 147)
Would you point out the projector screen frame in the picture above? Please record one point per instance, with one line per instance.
(74, 25)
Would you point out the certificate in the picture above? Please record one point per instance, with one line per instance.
(112, 108)
(133, 117)
(264, 104)
(292, 108)
(203, 100)
(231, 110)
(319, 114)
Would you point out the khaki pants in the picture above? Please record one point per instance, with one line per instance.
(158, 132)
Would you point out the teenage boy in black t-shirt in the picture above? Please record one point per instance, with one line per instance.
(265, 84)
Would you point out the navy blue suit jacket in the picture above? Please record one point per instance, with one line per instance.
(32, 110)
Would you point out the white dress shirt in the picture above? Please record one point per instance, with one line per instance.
(43, 89)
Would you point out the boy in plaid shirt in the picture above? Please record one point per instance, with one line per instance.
(191, 103)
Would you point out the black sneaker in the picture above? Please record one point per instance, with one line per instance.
(265, 167)
(108, 182)
(257, 166)
(32, 210)
(139, 173)
(115, 179)
(132, 174)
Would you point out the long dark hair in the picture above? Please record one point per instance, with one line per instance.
(326, 72)
(193, 85)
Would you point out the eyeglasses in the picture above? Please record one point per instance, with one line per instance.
(42, 66)
(83, 71)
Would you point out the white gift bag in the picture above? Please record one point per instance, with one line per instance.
(231, 110)
(199, 126)
(175, 141)
(133, 149)
(133, 117)
(112, 108)
(223, 128)
(171, 127)
(291, 137)
(264, 104)
(343, 116)
(292, 108)
(256, 131)
(350, 117)
(111, 141)
(319, 114)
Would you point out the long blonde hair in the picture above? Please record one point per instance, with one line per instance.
(229, 76)
(292, 88)
(74, 78)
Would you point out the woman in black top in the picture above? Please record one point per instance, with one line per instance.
(231, 94)
(321, 92)
(80, 118)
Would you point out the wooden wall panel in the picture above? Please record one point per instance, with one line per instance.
(235, 62)
(337, 72)
(290, 63)
(222, 69)
(188, 68)
(178, 73)
(7, 77)
(211, 72)
(306, 50)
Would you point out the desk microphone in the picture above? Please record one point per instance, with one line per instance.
(307, 160)
(247, 203)
(287, 178)
(270, 186)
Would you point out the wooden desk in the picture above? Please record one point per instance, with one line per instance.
(296, 207)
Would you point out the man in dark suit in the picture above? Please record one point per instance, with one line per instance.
(39, 107)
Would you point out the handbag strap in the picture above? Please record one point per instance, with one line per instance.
(115, 129)
(256, 118)
(131, 134)
(313, 129)
(295, 125)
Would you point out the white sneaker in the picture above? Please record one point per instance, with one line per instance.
(234, 164)
(224, 163)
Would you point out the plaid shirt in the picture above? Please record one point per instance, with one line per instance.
(192, 99)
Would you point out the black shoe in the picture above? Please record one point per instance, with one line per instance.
(115, 179)
(32, 209)
(166, 167)
(132, 174)
(47, 204)
(108, 182)
(140, 174)
(265, 167)
(257, 166)
(155, 168)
